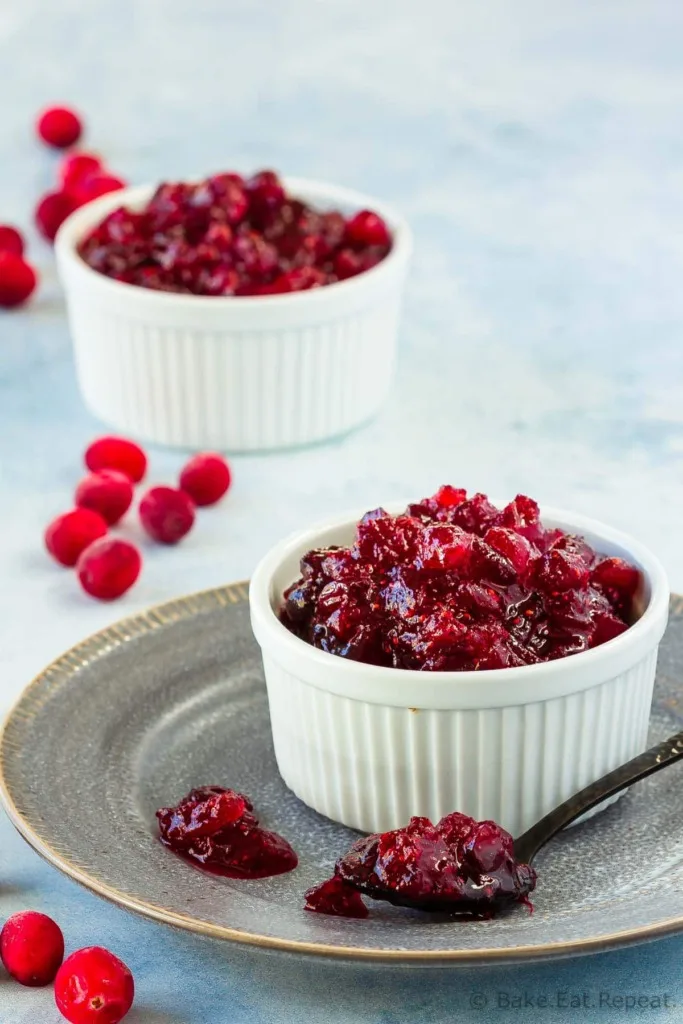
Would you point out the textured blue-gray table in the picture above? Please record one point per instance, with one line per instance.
(537, 150)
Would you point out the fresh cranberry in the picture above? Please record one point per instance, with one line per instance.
(336, 898)
(455, 584)
(52, 211)
(458, 866)
(166, 514)
(215, 829)
(108, 568)
(94, 987)
(76, 167)
(69, 535)
(32, 948)
(95, 185)
(117, 453)
(59, 127)
(11, 240)
(206, 478)
(108, 492)
(18, 280)
(367, 228)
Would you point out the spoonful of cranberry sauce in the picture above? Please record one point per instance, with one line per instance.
(460, 866)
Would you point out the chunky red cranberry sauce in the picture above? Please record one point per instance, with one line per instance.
(231, 236)
(455, 584)
(215, 829)
(459, 866)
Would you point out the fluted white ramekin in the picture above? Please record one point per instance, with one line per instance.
(370, 746)
(239, 374)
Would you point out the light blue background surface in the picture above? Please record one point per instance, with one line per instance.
(537, 149)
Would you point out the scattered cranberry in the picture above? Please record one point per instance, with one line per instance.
(52, 211)
(215, 829)
(336, 898)
(69, 535)
(205, 478)
(32, 948)
(18, 280)
(367, 228)
(11, 240)
(108, 492)
(166, 514)
(94, 987)
(95, 185)
(227, 237)
(59, 127)
(108, 568)
(455, 584)
(76, 167)
(117, 453)
(459, 866)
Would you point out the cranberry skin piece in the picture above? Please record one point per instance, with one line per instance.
(11, 240)
(70, 534)
(59, 127)
(108, 568)
(52, 211)
(94, 987)
(299, 279)
(117, 453)
(96, 185)
(348, 263)
(76, 167)
(31, 948)
(18, 280)
(166, 514)
(205, 478)
(367, 228)
(108, 492)
(266, 191)
(337, 898)
(617, 574)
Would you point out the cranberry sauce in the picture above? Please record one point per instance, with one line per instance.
(215, 829)
(456, 584)
(231, 236)
(459, 866)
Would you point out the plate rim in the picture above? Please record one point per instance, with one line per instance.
(184, 607)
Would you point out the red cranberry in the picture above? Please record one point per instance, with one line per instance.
(76, 167)
(32, 948)
(336, 898)
(166, 514)
(117, 453)
(18, 280)
(215, 829)
(69, 535)
(96, 185)
(300, 279)
(347, 264)
(230, 196)
(94, 987)
(52, 211)
(59, 127)
(454, 584)
(367, 228)
(108, 492)
(266, 191)
(205, 478)
(11, 240)
(108, 568)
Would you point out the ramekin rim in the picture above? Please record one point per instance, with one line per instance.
(72, 229)
(268, 566)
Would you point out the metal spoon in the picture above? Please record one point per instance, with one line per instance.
(653, 760)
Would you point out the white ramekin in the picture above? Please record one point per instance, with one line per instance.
(370, 746)
(239, 374)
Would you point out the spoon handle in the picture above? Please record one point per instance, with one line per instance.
(651, 761)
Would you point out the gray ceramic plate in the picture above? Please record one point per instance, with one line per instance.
(174, 698)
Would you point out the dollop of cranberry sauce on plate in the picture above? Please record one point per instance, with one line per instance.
(215, 829)
(456, 584)
(231, 236)
(458, 866)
